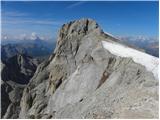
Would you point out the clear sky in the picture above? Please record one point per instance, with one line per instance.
(45, 18)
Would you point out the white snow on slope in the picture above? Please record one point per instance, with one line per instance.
(150, 62)
(110, 35)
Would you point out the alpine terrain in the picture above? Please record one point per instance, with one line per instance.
(90, 74)
(15, 75)
(36, 48)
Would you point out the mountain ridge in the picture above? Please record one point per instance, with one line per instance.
(15, 75)
(83, 79)
(35, 48)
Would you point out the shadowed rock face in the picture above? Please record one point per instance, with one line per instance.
(19, 69)
(5, 89)
(81, 79)
(15, 74)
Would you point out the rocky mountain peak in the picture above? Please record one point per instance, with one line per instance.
(71, 34)
(85, 79)
(79, 27)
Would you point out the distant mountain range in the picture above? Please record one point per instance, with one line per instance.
(34, 48)
(149, 45)
(19, 68)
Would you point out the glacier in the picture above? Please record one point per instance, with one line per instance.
(150, 62)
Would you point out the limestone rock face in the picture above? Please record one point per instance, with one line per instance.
(82, 79)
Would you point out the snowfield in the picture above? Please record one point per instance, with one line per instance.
(150, 62)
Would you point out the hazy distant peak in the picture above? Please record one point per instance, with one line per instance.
(34, 36)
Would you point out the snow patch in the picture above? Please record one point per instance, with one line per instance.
(150, 62)
(110, 35)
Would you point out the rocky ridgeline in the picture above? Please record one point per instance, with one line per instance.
(81, 79)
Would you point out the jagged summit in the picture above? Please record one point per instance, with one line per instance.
(82, 26)
(71, 35)
(79, 27)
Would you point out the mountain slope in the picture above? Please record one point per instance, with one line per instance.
(84, 79)
(15, 74)
(19, 69)
(150, 62)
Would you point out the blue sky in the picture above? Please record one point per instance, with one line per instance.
(45, 18)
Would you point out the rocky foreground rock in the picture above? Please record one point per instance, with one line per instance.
(82, 79)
